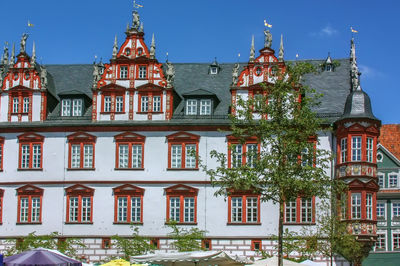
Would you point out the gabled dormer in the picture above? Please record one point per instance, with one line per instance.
(26, 87)
(200, 102)
(133, 85)
(73, 103)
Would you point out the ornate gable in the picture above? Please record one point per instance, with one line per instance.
(181, 189)
(129, 137)
(29, 190)
(81, 137)
(79, 189)
(183, 136)
(128, 189)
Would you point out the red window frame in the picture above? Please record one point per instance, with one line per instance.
(81, 138)
(119, 72)
(155, 242)
(243, 195)
(137, 72)
(30, 139)
(129, 138)
(181, 191)
(79, 191)
(234, 141)
(20, 95)
(206, 244)
(106, 243)
(113, 107)
(150, 102)
(29, 191)
(1, 153)
(128, 191)
(183, 139)
(299, 212)
(254, 243)
(1, 205)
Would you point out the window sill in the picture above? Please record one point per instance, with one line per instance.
(182, 169)
(230, 223)
(299, 223)
(116, 113)
(179, 223)
(81, 169)
(28, 223)
(128, 169)
(128, 223)
(78, 222)
(149, 112)
(20, 114)
(30, 169)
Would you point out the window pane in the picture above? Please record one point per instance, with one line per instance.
(176, 156)
(145, 104)
(252, 210)
(381, 180)
(189, 210)
(306, 210)
(73, 209)
(396, 241)
(290, 211)
(88, 156)
(368, 206)
(396, 210)
(174, 209)
(356, 206)
(393, 181)
(381, 242)
(236, 209)
(25, 150)
(107, 103)
(86, 209)
(37, 155)
(380, 210)
(75, 156)
(251, 156)
(123, 153)
(205, 107)
(156, 103)
(15, 105)
(370, 149)
(142, 72)
(356, 149)
(137, 156)
(191, 107)
(119, 104)
(25, 108)
(66, 107)
(24, 203)
(190, 156)
(124, 72)
(77, 107)
(237, 153)
(135, 209)
(122, 209)
(343, 150)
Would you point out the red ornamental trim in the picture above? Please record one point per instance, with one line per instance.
(79, 189)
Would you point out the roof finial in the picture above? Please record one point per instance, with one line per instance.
(281, 50)
(153, 48)
(267, 39)
(128, 27)
(354, 69)
(23, 42)
(115, 48)
(252, 50)
(33, 58)
(4, 59)
(12, 58)
(135, 20)
(141, 27)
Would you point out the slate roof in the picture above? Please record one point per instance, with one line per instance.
(192, 78)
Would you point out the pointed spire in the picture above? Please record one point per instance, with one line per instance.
(281, 50)
(153, 48)
(115, 48)
(328, 59)
(12, 58)
(4, 60)
(355, 83)
(252, 50)
(33, 58)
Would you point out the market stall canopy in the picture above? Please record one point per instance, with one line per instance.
(198, 258)
(119, 262)
(40, 257)
(273, 261)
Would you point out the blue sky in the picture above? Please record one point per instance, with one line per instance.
(70, 32)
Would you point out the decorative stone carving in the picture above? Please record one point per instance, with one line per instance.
(4, 60)
(135, 20)
(235, 74)
(12, 58)
(267, 39)
(96, 74)
(23, 42)
(43, 77)
(170, 74)
(153, 48)
(115, 48)
(252, 50)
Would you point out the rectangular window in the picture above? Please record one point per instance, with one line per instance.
(370, 149)
(76, 156)
(123, 156)
(77, 107)
(24, 210)
(81, 155)
(236, 210)
(37, 156)
(66, 107)
(119, 104)
(176, 156)
(129, 209)
(124, 72)
(380, 243)
(380, 210)
(25, 108)
(205, 107)
(86, 209)
(79, 206)
(88, 156)
(237, 153)
(174, 209)
(393, 181)
(396, 210)
(122, 209)
(191, 107)
(343, 150)
(107, 103)
(190, 156)
(15, 105)
(290, 211)
(258, 99)
(305, 158)
(25, 155)
(142, 72)
(396, 241)
(129, 155)
(251, 155)
(356, 149)
(368, 206)
(252, 209)
(381, 181)
(29, 209)
(137, 156)
(31, 156)
(306, 210)
(145, 104)
(156, 103)
(136, 209)
(73, 209)
(188, 210)
(356, 205)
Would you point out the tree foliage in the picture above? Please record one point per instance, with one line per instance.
(288, 164)
(134, 245)
(54, 240)
(185, 239)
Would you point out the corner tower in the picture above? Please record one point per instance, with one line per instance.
(357, 133)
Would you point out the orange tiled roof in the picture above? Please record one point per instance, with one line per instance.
(390, 138)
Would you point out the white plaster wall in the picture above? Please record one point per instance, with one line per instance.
(36, 102)
(4, 108)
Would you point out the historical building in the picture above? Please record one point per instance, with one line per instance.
(387, 246)
(88, 150)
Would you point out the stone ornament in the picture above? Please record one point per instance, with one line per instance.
(267, 39)
(170, 74)
(235, 74)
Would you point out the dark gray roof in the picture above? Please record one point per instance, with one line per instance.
(358, 105)
(192, 78)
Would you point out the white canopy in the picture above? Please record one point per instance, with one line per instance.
(273, 261)
(197, 258)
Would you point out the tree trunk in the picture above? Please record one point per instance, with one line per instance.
(280, 234)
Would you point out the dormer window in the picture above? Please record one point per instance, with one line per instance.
(213, 70)
(127, 51)
(191, 107)
(71, 107)
(199, 106)
(139, 51)
(328, 68)
(205, 107)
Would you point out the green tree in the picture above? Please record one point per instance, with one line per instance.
(67, 246)
(134, 245)
(288, 163)
(185, 239)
